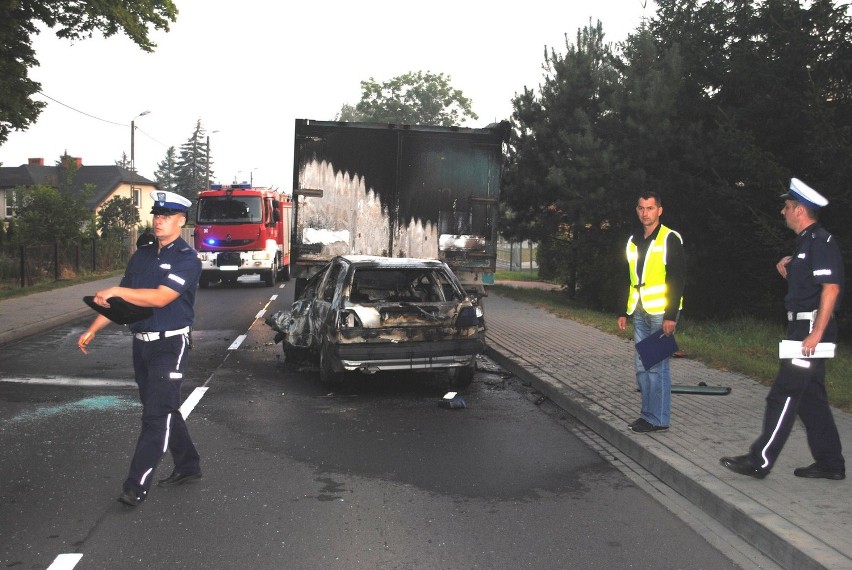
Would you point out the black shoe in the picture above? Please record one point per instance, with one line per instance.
(742, 464)
(130, 498)
(178, 479)
(634, 422)
(644, 426)
(816, 472)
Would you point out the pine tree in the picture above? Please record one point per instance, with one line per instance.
(166, 174)
(190, 172)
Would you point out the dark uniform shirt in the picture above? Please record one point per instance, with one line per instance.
(675, 269)
(816, 261)
(177, 267)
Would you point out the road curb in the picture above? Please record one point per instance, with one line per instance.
(787, 544)
(42, 326)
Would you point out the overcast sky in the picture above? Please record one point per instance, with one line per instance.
(249, 73)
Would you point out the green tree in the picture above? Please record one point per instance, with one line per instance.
(46, 214)
(563, 177)
(166, 169)
(770, 84)
(415, 98)
(190, 169)
(20, 20)
(117, 217)
(124, 161)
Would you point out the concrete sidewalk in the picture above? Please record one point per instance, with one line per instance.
(799, 523)
(32, 314)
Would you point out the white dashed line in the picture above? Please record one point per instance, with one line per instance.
(236, 344)
(65, 562)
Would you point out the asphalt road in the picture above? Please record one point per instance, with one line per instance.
(374, 475)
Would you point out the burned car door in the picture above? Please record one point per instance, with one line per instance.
(297, 326)
(328, 293)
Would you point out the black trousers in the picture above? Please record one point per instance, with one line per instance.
(799, 389)
(159, 366)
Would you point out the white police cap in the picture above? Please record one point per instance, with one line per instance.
(169, 203)
(801, 192)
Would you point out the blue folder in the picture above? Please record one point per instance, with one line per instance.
(655, 348)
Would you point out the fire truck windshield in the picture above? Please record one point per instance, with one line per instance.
(233, 210)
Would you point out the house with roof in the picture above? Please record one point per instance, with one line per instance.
(105, 181)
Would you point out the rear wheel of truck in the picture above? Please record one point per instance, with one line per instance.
(328, 375)
(460, 377)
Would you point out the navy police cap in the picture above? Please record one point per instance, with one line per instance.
(169, 203)
(801, 192)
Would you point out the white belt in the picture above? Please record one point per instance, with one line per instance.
(809, 316)
(149, 336)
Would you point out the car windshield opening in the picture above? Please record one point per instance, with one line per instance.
(374, 285)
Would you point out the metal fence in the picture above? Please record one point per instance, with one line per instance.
(29, 265)
(516, 256)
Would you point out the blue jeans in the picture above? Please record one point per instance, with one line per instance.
(656, 382)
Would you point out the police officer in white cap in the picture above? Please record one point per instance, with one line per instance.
(814, 275)
(164, 278)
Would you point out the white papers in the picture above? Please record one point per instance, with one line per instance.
(793, 349)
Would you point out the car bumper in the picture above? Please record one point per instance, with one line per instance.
(379, 357)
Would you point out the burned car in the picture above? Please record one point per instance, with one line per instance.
(372, 314)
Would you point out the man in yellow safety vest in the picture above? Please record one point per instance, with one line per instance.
(657, 270)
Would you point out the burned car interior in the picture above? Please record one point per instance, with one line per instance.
(401, 285)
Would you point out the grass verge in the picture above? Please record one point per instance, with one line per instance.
(51, 285)
(741, 345)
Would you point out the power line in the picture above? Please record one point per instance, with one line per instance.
(99, 119)
(82, 112)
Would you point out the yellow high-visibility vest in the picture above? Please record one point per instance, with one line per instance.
(652, 286)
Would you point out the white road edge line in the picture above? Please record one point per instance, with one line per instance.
(273, 297)
(65, 562)
(236, 344)
(191, 401)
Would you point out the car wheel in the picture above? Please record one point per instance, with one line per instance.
(328, 375)
(460, 377)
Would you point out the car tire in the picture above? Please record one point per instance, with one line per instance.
(460, 377)
(328, 375)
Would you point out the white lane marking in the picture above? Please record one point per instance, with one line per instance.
(65, 562)
(66, 381)
(273, 297)
(260, 314)
(236, 344)
(191, 401)
(281, 286)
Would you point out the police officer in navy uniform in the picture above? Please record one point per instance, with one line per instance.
(163, 276)
(814, 276)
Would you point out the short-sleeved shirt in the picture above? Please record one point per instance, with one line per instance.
(177, 267)
(816, 261)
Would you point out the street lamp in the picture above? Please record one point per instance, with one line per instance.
(207, 165)
(137, 201)
(133, 139)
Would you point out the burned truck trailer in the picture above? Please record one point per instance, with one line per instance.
(397, 191)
